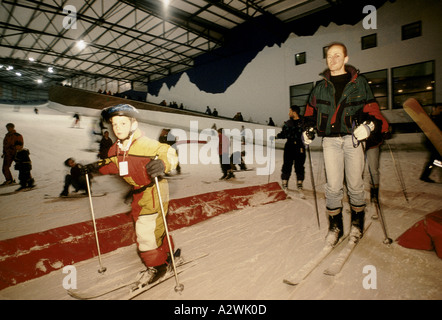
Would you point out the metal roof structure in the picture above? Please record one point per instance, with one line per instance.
(132, 40)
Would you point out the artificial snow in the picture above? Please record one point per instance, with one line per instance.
(251, 250)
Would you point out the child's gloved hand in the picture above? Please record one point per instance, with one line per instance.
(155, 168)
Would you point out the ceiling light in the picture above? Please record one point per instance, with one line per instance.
(39, 81)
(50, 70)
(31, 59)
(9, 68)
(18, 74)
(81, 44)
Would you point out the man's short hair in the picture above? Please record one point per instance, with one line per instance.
(340, 44)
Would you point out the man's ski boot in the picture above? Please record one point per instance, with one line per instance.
(285, 185)
(335, 227)
(357, 222)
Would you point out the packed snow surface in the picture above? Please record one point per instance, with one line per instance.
(250, 250)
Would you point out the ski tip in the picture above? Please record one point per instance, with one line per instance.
(330, 272)
(290, 282)
(73, 294)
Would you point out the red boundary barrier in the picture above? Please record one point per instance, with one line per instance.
(34, 255)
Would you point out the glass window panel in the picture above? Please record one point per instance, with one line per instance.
(413, 81)
(299, 95)
(368, 42)
(379, 86)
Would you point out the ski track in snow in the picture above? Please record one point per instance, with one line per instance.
(250, 250)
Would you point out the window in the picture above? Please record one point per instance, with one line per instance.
(300, 58)
(379, 86)
(369, 41)
(412, 30)
(299, 95)
(415, 80)
(324, 52)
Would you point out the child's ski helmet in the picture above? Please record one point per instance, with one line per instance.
(119, 110)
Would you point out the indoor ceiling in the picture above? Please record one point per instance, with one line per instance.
(132, 40)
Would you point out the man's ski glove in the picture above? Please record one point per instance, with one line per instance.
(308, 136)
(155, 168)
(363, 131)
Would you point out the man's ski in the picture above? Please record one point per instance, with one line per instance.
(73, 196)
(428, 127)
(343, 256)
(308, 268)
(132, 287)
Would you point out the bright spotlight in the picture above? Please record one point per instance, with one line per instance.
(81, 44)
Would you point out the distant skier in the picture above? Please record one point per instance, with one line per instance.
(138, 160)
(167, 137)
(9, 151)
(23, 164)
(76, 123)
(105, 144)
(294, 149)
(76, 178)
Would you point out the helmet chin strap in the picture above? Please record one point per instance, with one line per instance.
(121, 141)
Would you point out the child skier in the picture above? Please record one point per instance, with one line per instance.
(23, 164)
(294, 149)
(138, 160)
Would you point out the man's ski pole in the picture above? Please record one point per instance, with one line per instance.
(313, 183)
(398, 173)
(102, 269)
(179, 286)
(387, 240)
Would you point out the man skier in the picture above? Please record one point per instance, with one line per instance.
(342, 109)
(294, 149)
(138, 160)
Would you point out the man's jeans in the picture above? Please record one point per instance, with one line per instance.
(343, 160)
